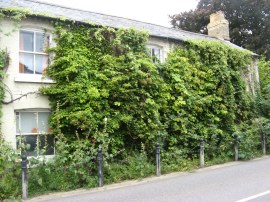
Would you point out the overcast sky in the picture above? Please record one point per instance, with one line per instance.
(152, 11)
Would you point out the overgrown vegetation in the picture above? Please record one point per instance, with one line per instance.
(3, 62)
(110, 94)
(208, 98)
(9, 168)
(10, 173)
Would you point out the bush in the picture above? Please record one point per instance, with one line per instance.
(10, 172)
(250, 145)
(51, 176)
(134, 166)
(175, 159)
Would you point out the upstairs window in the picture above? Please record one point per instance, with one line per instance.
(156, 53)
(32, 131)
(33, 58)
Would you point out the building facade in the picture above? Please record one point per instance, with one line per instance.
(25, 110)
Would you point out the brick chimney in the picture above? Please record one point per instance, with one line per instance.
(218, 26)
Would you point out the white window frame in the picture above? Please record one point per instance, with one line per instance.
(34, 44)
(20, 134)
(150, 47)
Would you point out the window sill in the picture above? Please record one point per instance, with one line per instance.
(32, 78)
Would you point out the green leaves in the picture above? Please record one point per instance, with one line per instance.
(4, 61)
(207, 95)
(10, 172)
(263, 96)
(103, 72)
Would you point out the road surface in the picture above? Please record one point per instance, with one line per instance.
(232, 182)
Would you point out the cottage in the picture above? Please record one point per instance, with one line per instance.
(25, 111)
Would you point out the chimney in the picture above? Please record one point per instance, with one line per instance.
(218, 26)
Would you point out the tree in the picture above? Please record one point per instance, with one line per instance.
(249, 21)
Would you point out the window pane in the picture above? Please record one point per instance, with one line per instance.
(28, 122)
(156, 53)
(32, 141)
(26, 41)
(28, 140)
(17, 123)
(26, 63)
(47, 145)
(45, 142)
(42, 42)
(43, 119)
(41, 63)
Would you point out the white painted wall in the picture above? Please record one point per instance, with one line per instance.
(17, 84)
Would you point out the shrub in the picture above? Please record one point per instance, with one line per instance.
(10, 172)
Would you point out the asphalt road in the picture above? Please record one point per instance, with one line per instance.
(242, 181)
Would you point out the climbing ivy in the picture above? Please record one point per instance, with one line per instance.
(15, 15)
(104, 73)
(4, 59)
(208, 96)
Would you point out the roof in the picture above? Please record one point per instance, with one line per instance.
(57, 11)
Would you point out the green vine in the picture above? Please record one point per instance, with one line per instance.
(15, 15)
(199, 92)
(111, 75)
(4, 60)
(114, 79)
(208, 96)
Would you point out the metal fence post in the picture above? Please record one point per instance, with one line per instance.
(264, 144)
(24, 176)
(236, 154)
(100, 173)
(158, 160)
(201, 153)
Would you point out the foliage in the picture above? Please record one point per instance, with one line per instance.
(263, 99)
(10, 172)
(50, 176)
(110, 77)
(263, 96)
(177, 159)
(249, 144)
(15, 15)
(249, 21)
(208, 97)
(201, 93)
(4, 60)
(132, 166)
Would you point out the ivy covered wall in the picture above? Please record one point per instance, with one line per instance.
(208, 97)
(109, 93)
(108, 89)
(104, 73)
